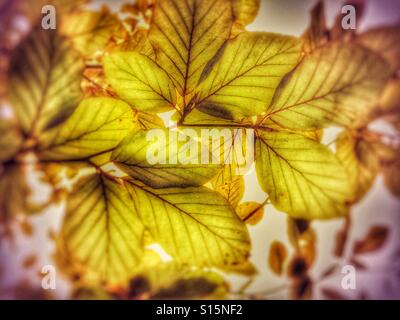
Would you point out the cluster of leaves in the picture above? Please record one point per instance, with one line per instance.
(82, 98)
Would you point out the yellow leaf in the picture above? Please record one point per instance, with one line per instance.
(339, 83)
(250, 212)
(232, 191)
(302, 177)
(245, 11)
(186, 35)
(149, 121)
(101, 237)
(45, 79)
(91, 31)
(195, 225)
(98, 125)
(359, 158)
(277, 257)
(243, 81)
(140, 82)
(164, 158)
(171, 281)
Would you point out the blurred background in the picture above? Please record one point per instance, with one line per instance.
(378, 273)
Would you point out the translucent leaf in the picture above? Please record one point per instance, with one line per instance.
(390, 98)
(301, 176)
(149, 121)
(164, 158)
(139, 81)
(245, 11)
(375, 239)
(356, 156)
(243, 81)
(277, 257)
(45, 79)
(101, 237)
(335, 84)
(194, 225)
(170, 281)
(250, 212)
(10, 140)
(91, 31)
(98, 125)
(385, 41)
(232, 191)
(316, 33)
(186, 35)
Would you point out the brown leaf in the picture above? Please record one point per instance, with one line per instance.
(29, 261)
(375, 239)
(277, 257)
(317, 33)
(295, 228)
(329, 271)
(332, 294)
(298, 267)
(357, 264)
(302, 289)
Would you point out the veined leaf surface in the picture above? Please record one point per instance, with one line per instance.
(164, 158)
(186, 35)
(385, 41)
(139, 81)
(102, 233)
(353, 154)
(336, 84)
(243, 81)
(194, 225)
(98, 125)
(301, 176)
(45, 79)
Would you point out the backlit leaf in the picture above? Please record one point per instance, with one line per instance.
(390, 99)
(335, 84)
(243, 81)
(194, 225)
(165, 158)
(232, 191)
(45, 79)
(139, 81)
(316, 33)
(301, 176)
(277, 257)
(186, 35)
(384, 40)
(170, 281)
(250, 212)
(245, 11)
(359, 157)
(375, 239)
(97, 126)
(91, 31)
(101, 236)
